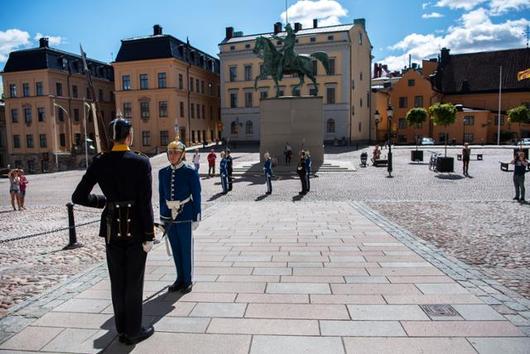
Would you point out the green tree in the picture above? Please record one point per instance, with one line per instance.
(415, 117)
(443, 114)
(519, 114)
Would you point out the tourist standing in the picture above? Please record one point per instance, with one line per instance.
(127, 225)
(229, 168)
(23, 185)
(197, 160)
(14, 188)
(301, 171)
(288, 151)
(211, 163)
(520, 165)
(308, 165)
(466, 155)
(267, 168)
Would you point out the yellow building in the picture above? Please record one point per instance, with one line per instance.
(164, 84)
(345, 91)
(39, 134)
(3, 136)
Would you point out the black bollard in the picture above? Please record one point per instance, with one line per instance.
(72, 237)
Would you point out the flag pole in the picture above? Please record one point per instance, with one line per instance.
(499, 110)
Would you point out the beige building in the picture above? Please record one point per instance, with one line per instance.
(345, 91)
(164, 84)
(39, 134)
(3, 136)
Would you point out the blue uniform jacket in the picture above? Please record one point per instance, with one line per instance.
(308, 165)
(178, 183)
(223, 166)
(267, 167)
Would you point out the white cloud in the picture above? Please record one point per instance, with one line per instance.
(432, 15)
(425, 5)
(460, 4)
(52, 40)
(498, 7)
(327, 12)
(474, 32)
(11, 40)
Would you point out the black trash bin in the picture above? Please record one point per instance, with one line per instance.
(416, 155)
(445, 164)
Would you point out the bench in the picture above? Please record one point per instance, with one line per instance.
(380, 162)
(477, 156)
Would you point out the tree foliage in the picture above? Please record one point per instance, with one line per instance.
(443, 113)
(519, 114)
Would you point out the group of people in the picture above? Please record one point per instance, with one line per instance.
(17, 188)
(127, 222)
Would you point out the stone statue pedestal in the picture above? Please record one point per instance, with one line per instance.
(294, 120)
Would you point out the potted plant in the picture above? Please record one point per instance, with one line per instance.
(444, 114)
(415, 117)
(519, 114)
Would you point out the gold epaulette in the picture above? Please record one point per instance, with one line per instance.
(139, 153)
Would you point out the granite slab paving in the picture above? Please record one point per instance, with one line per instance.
(283, 277)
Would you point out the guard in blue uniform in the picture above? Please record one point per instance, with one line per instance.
(308, 165)
(229, 169)
(180, 211)
(126, 224)
(223, 172)
(267, 168)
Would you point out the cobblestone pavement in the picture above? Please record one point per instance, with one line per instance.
(450, 211)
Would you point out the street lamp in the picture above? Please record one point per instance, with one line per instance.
(85, 106)
(55, 130)
(389, 114)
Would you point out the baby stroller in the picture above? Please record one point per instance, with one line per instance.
(364, 158)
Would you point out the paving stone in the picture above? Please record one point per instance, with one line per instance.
(81, 341)
(442, 289)
(407, 345)
(386, 312)
(295, 345)
(182, 324)
(362, 328)
(73, 320)
(230, 287)
(460, 329)
(264, 326)
(273, 298)
(31, 338)
(347, 299)
(478, 313)
(272, 271)
(366, 280)
(297, 311)
(218, 310)
(501, 345)
(374, 289)
(298, 288)
(83, 305)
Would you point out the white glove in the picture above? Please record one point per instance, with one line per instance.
(147, 245)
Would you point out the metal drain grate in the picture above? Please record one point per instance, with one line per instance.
(439, 310)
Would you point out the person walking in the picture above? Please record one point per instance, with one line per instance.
(211, 163)
(301, 171)
(466, 154)
(127, 225)
(288, 151)
(223, 172)
(14, 188)
(308, 165)
(180, 211)
(520, 165)
(229, 168)
(23, 186)
(197, 160)
(267, 168)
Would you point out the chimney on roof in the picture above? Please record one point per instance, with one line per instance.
(297, 26)
(157, 30)
(444, 57)
(361, 22)
(315, 22)
(277, 27)
(43, 42)
(229, 33)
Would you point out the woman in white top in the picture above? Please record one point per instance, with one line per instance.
(14, 188)
(197, 160)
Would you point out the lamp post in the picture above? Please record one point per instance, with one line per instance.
(86, 105)
(389, 114)
(55, 129)
(377, 119)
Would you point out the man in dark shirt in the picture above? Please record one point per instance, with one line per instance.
(466, 154)
(126, 224)
(520, 165)
(229, 169)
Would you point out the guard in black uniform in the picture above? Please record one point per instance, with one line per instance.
(124, 177)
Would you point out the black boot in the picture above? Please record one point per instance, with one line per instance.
(144, 334)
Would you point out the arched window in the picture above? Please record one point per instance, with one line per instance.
(249, 128)
(330, 126)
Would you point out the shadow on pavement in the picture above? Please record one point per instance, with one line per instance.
(299, 197)
(450, 177)
(261, 197)
(216, 196)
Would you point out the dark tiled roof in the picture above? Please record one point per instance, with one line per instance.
(165, 46)
(49, 58)
(479, 72)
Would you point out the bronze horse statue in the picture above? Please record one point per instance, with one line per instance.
(286, 61)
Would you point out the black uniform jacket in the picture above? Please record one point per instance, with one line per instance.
(125, 178)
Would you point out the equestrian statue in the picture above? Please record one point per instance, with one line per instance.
(285, 61)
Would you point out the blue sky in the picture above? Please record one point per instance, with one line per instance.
(396, 28)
